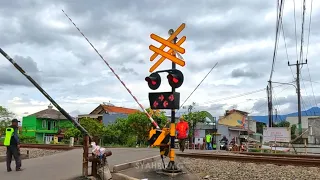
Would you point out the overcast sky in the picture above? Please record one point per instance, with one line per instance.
(239, 35)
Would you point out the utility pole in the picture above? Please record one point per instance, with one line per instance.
(270, 109)
(298, 92)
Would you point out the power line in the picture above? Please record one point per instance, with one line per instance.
(198, 85)
(302, 31)
(285, 44)
(310, 18)
(239, 95)
(279, 17)
(295, 26)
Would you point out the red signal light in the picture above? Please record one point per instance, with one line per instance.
(153, 82)
(175, 80)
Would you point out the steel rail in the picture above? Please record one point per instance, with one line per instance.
(256, 159)
(279, 155)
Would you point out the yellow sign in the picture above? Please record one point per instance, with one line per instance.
(170, 53)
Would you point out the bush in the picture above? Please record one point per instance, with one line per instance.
(28, 140)
(131, 141)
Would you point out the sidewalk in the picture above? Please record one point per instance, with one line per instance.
(68, 164)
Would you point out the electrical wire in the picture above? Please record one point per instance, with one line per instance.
(309, 31)
(279, 17)
(239, 95)
(310, 18)
(285, 44)
(198, 86)
(302, 32)
(295, 26)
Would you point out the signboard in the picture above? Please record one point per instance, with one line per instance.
(198, 133)
(167, 43)
(277, 134)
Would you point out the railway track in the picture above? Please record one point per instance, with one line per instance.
(49, 146)
(295, 161)
(278, 155)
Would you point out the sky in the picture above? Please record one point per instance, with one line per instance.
(239, 35)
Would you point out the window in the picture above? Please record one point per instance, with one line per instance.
(54, 124)
(43, 123)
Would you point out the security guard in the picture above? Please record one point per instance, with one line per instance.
(13, 145)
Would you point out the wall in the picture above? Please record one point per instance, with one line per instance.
(252, 125)
(111, 118)
(29, 126)
(235, 119)
(314, 131)
(304, 120)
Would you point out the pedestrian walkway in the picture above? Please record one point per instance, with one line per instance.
(68, 164)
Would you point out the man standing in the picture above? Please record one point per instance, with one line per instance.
(13, 145)
(208, 141)
(182, 128)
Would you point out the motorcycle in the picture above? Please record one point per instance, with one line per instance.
(223, 145)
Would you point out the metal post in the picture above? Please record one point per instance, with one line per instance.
(298, 93)
(270, 113)
(85, 160)
(171, 167)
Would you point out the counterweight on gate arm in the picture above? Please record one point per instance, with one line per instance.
(84, 131)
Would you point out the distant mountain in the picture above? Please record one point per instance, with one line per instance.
(314, 111)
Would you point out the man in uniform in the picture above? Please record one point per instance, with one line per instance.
(208, 141)
(13, 145)
(182, 132)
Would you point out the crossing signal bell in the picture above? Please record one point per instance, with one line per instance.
(154, 81)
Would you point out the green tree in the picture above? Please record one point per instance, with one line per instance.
(193, 118)
(141, 125)
(94, 127)
(72, 132)
(117, 132)
(5, 119)
(5, 114)
(293, 131)
(283, 124)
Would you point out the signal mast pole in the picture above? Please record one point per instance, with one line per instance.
(172, 166)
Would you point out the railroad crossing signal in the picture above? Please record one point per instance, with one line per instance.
(164, 100)
(154, 81)
(175, 78)
(174, 48)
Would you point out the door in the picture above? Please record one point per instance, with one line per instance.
(48, 139)
(49, 125)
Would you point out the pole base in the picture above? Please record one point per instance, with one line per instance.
(172, 168)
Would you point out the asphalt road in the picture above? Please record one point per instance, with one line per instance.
(67, 165)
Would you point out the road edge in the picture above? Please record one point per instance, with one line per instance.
(120, 176)
(120, 167)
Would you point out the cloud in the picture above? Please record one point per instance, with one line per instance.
(238, 35)
(236, 73)
(10, 76)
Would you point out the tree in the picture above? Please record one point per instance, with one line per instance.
(72, 132)
(193, 118)
(94, 127)
(293, 131)
(141, 125)
(5, 114)
(283, 124)
(5, 119)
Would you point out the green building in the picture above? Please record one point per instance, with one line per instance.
(47, 125)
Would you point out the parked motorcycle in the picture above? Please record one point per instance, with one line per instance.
(224, 145)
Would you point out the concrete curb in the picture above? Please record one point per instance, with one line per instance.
(120, 167)
(119, 176)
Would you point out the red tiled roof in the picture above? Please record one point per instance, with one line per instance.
(115, 109)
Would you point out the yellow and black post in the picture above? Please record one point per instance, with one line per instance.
(172, 167)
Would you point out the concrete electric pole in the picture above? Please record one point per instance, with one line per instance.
(298, 92)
